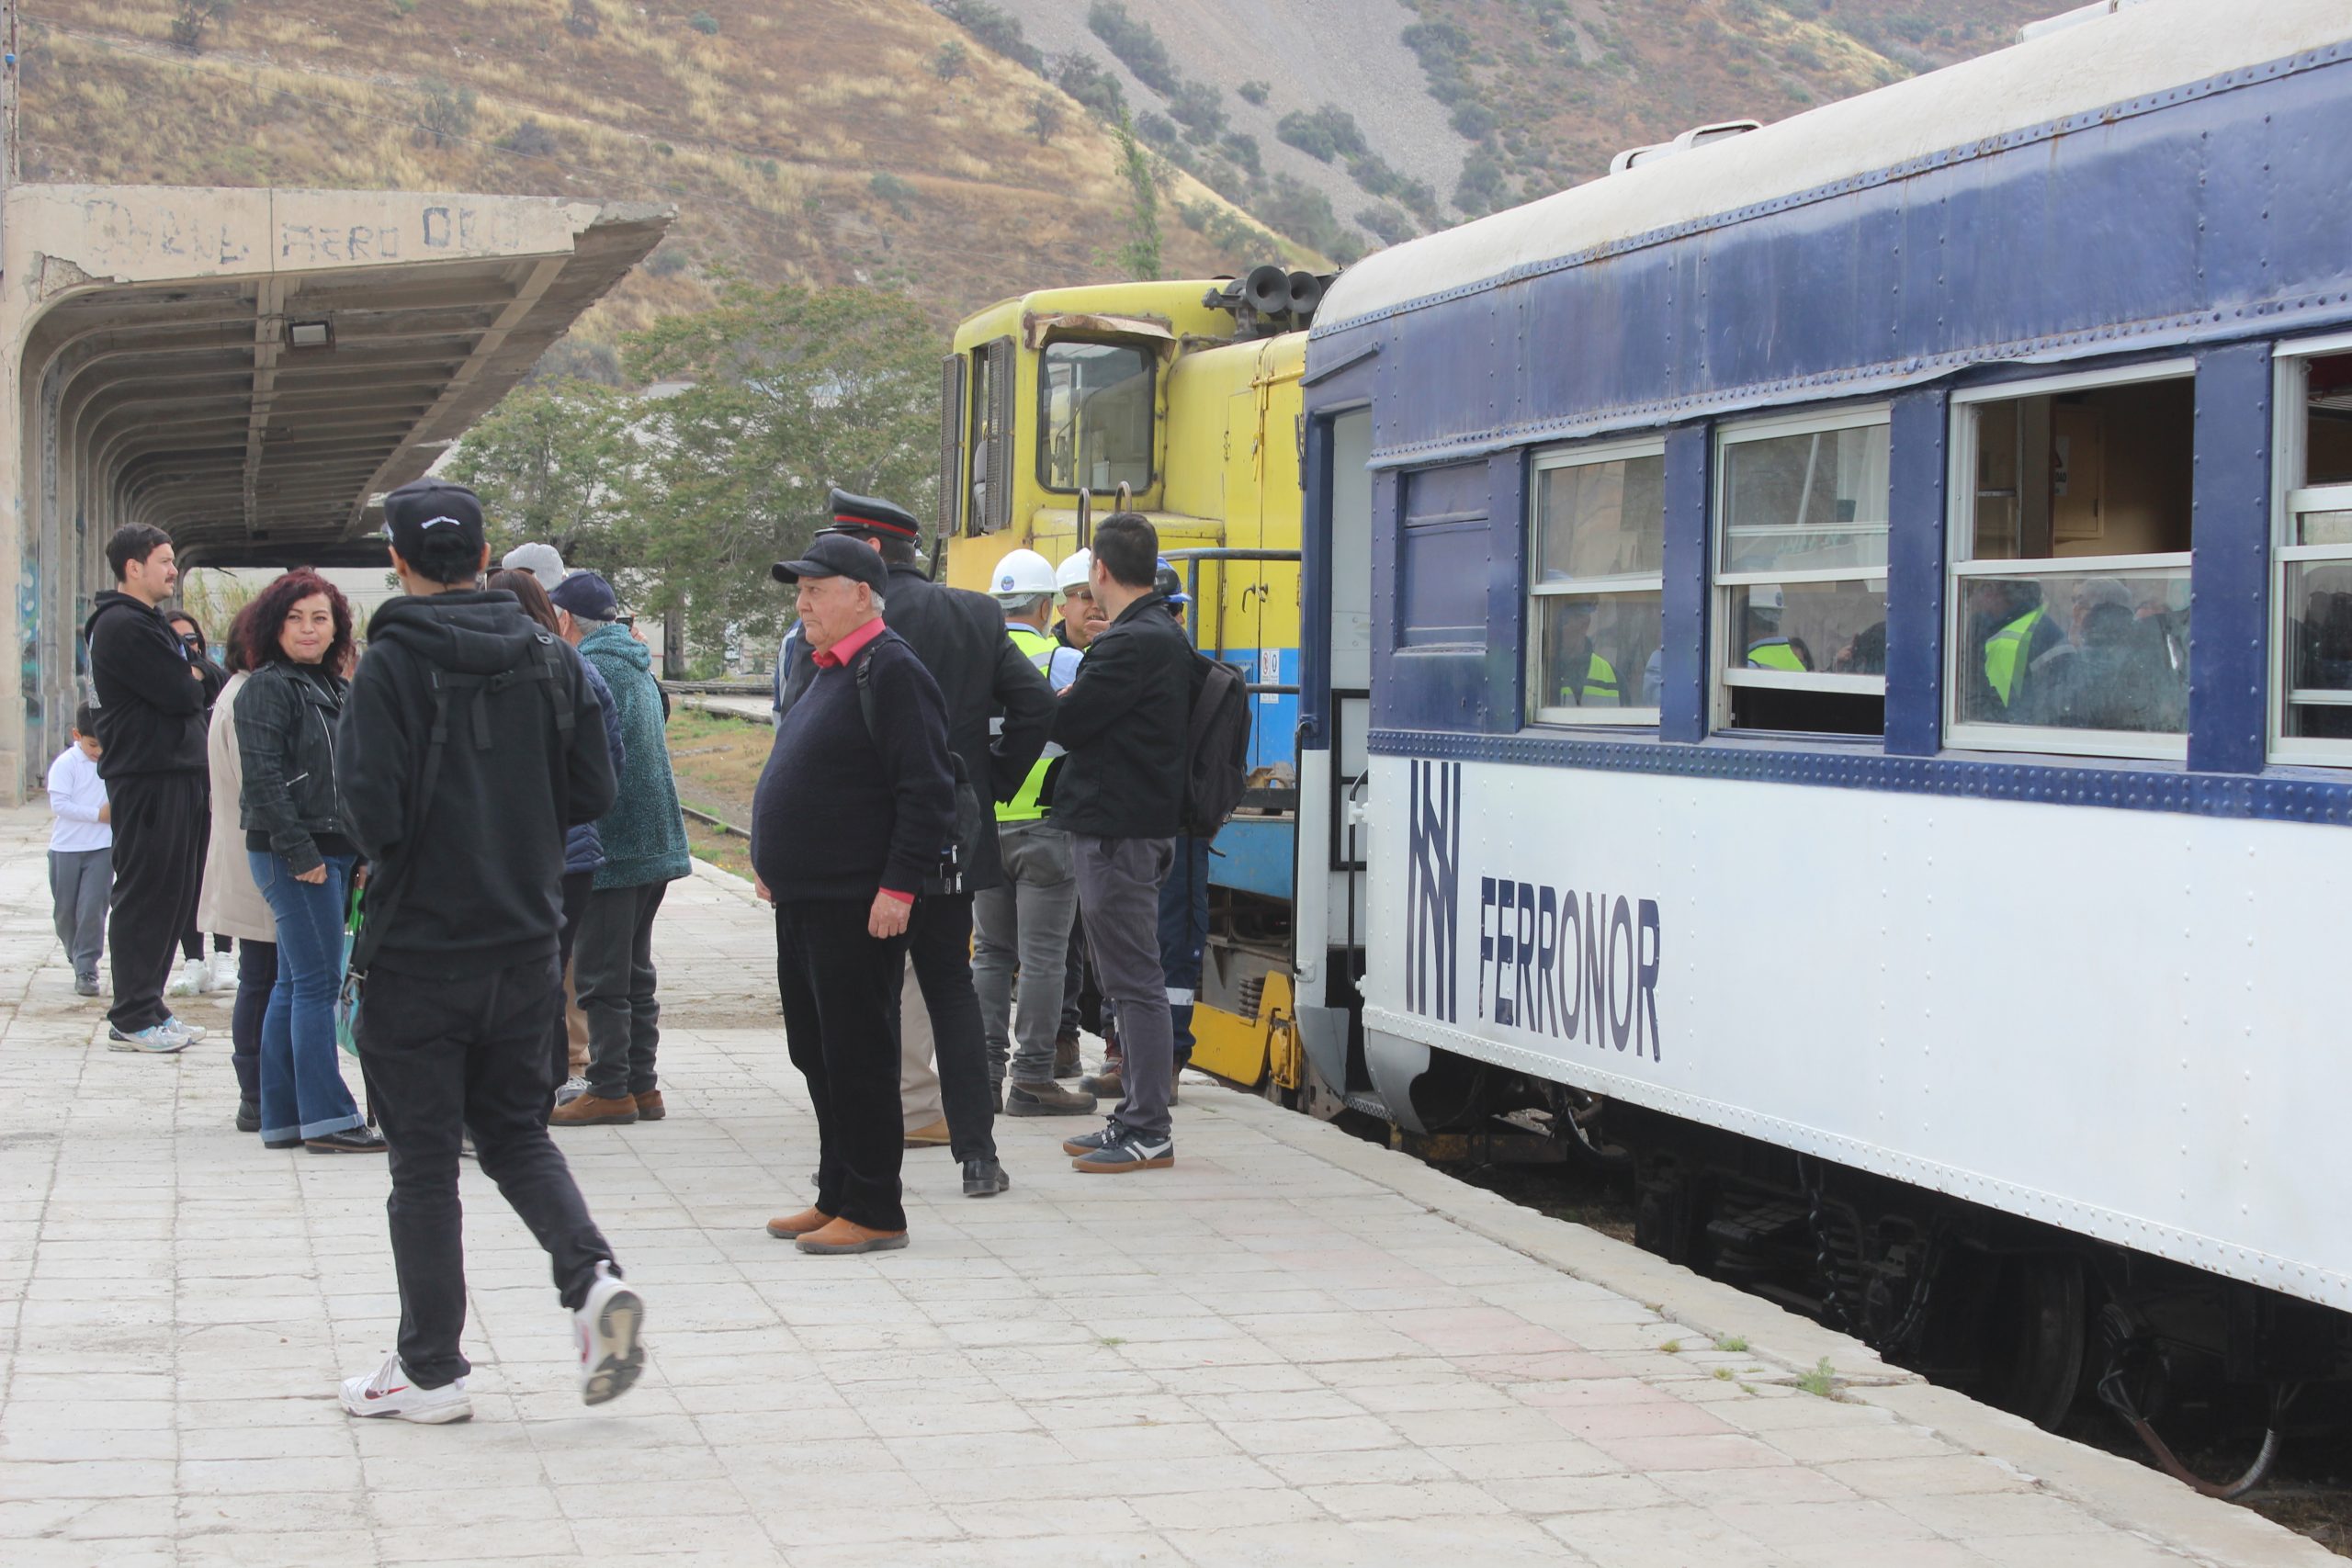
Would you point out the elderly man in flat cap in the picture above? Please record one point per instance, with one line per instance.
(850, 818)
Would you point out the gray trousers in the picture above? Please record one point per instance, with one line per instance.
(1118, 899)
(80, 881)
(1024, 924)
(613, 977)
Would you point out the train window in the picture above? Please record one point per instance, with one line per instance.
(1596, 541)
(1801, 573)
(2311, 588)
(1094, 406)
(2069, 601)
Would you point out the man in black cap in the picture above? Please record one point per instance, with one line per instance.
(851, 817)
(998, 710)
(471, 741)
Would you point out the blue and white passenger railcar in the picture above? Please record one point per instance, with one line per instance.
(1842, 640)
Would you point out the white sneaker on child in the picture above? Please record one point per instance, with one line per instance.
(391, 1394)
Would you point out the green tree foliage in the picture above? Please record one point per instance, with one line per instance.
(446, 114)
(1255, 90)
(551, 463)
(1046, 116)
(951, 60)
(1083, 77)
(1138, 47)
(1481, 188)
(1140, 257)
(994, 30)
(1387, 222)
(1327, 133)
(193, 19)
(1200, 109)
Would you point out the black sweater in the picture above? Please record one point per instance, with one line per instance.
(151, 709)
(480, 870)
(836, 816)
(1124, 722)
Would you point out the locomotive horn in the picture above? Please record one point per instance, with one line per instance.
(1267, 290)
(1305, 293)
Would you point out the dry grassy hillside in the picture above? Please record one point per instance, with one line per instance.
(801, 139)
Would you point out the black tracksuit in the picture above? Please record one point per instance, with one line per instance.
(840, 814)
(454, 1026)
(151, 723)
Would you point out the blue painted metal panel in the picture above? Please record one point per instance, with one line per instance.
(1505, 675)
(1682, 697)
(1314, 589)
(1253, 855)
(2229, 621)
(1918, 470)
(1440, 584)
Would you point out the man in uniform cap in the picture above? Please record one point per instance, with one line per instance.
(852, 812)
(959, 636)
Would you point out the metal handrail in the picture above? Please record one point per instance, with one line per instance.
(1193, 560)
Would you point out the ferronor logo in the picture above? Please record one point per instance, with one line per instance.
(1432, 892)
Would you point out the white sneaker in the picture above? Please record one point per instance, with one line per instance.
(574, 1087)
(191, 1033)
(224, 971)
(607, 1325)
(389, 1393)
(195, 979)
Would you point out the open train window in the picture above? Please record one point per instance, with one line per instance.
(1799, 625)
(2069, 547)
(1595, 581)
(2310, 592)
(1094, 406)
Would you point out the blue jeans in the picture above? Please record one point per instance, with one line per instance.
(303, 1093)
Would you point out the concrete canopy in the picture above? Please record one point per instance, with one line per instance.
(250, 370)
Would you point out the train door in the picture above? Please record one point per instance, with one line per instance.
(1335, 631)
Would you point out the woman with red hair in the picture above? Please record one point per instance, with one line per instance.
(292, 814)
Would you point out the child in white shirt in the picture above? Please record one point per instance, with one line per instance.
(81, 850)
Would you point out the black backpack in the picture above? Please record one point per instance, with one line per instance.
(1216, 750)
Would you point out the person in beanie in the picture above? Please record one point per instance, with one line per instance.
(469, 741)
(852, 814)
(151, 711)
(644, 840)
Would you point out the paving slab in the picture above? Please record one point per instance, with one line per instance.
(1294, 1348)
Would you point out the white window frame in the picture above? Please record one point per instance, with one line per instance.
(1724, 675)
(2289, 360)
(1959, 540)
(1584, 455)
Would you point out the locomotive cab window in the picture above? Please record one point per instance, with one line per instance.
(1595, 539)
(1094, 408)
(2312, 581)
(2069, 599)
(1800, 619)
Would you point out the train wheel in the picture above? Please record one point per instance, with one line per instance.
(2041, 1309)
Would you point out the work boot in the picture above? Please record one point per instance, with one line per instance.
(1105, 1084)
(1048, 1099)
(595, 1111)
(840, 1238)
(1066, 1062)
(931, 1137)
(649, 1106)
(984, 1178)
(792, 1227)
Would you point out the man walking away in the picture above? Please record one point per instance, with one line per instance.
(644, 839)
(81, 851)
(471, 741)
(1119, 796)
(849, 819)
(982, 679)
(1026, 922)
(151, 732)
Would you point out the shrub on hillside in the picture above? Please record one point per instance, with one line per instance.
(894, 191)
(1255, 91)
(1387, 222)
(1200, 109)
(1138, 47)
(1326, 133)
(1480, 189)
(1083, 77)
(1298, 210)
(994, 30)
(582, 21)
(951, 60)
(529, 140)
(1045, 117)
(704, 23)
(447, 113)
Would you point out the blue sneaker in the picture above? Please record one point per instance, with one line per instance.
(158, 1039)
(194, 1031)
(1129, 1151)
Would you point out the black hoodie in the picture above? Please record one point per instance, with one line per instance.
(151, 710)
(476, 885)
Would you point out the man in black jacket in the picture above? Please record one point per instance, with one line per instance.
(151, 721)
(959, 636)
(471, 741)
(1120, 794)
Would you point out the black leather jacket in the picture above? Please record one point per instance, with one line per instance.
(286, 717)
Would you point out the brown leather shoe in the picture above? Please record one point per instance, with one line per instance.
(595, 1111)
(649, 1106)
(792, 1227)
(837, 1237)
(931, 1137)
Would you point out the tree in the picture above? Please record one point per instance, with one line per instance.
(449, 112)
(551, 463)
(951, 60)
(1045, 115)
(1140, 257)
(792, 389)
(189, 22)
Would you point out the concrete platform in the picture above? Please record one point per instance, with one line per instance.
(1294, 1348)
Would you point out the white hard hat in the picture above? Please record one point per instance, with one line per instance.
(1075, 571)
(1023, 574)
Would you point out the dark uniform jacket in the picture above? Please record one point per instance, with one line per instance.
(151, 710)
(959, 636)
(1125, 723)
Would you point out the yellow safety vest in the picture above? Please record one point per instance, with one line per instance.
(1039, 649)
(1600, 685)
(1775, 654)
(2005, 652)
